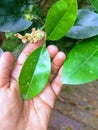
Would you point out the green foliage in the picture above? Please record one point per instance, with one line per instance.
(62, 30)
(17, 15)
(13, 44)
(94, 4)
(35, 73)
(60, 18)
(85, 26)
(10, 43)
(81, 65)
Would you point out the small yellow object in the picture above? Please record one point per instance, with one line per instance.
(32, 37)
(28, 17)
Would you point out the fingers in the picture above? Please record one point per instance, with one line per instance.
(51, 91)
(57, 59)
(56, 64)
(57, 83)
(6, 65)
(23, 56)
(54, 86)
(53, 50)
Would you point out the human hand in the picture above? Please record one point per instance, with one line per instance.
(17, 114)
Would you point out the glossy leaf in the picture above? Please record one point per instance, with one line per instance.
(81, 65)
(13, 15)
(13, 44)
(85, 26)
(10, 43)
(60, 18)
(94, 4)
(35, 73)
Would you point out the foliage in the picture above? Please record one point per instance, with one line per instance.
(94, 3)
(70, 24)
(10, 44)
(85, 26)
(82, 59)
(57, 18)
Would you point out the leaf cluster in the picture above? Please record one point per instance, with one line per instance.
(72, 25)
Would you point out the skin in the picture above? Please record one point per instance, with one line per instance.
(17, 114)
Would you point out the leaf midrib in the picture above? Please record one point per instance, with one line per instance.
(34, 72)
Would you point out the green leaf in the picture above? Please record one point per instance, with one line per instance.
(35, 73)
(60, 18)
(11, 43)
(16, 52)
(14, 15)
(85, 26)
(9, 34)
(94, 4)
(81, 65)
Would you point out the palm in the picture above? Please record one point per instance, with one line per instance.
(17, 114)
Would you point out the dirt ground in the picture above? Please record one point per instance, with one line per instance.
(76, 108)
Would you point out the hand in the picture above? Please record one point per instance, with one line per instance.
(17, 114)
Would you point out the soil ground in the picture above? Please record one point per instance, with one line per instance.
(76, 108)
